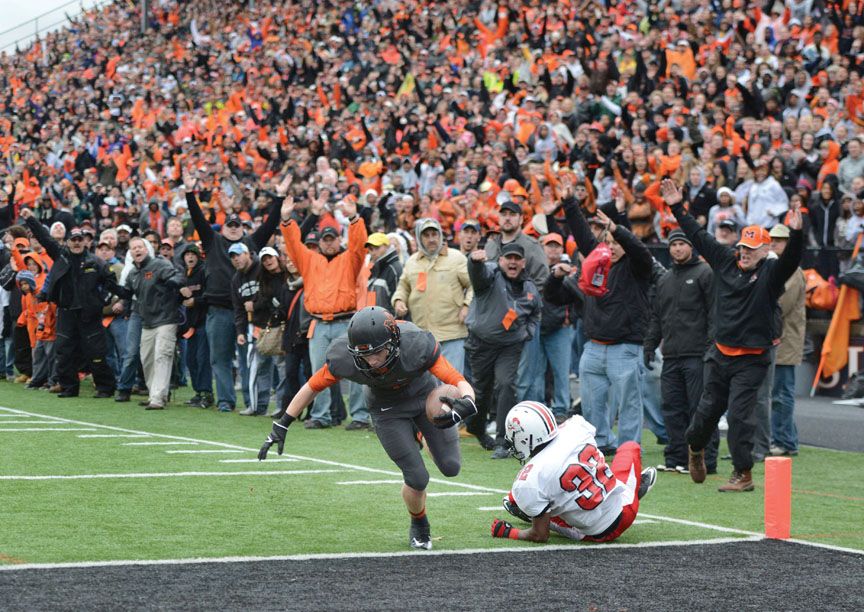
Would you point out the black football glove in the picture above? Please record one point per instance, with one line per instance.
(648, 359)
(277, 436)
(460, 409)
(503, 529)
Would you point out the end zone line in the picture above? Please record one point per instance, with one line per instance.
(528, 548)
(394, 473)
(169, 475)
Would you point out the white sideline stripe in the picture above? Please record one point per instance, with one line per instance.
(277, 460)
(752, 535)
(156, 443)
(582, 548)
(169, 475)
(209, 450)
(701, 525)
(114, 436)
(828, 546)
(368, 482)
(48, 429)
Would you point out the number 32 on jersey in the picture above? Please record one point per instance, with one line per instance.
(591, 478)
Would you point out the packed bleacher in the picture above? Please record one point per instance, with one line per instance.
(234, 137)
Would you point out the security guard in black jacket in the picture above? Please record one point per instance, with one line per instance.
(681, 319)
(78, 285)
(746, 288)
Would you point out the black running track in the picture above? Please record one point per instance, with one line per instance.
(763, 576)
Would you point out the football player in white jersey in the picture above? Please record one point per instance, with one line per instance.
(565, 485)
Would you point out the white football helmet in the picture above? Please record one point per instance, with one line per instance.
(529, 425)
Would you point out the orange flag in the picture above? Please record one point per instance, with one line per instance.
(835, 347)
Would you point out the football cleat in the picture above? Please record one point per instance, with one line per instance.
(512, 508)
(419, 536)
(649, 477)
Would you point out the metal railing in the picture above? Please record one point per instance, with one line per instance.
(24, 33)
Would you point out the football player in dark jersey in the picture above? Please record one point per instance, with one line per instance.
(399, 364)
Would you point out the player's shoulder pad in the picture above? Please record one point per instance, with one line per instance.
(339, 360)
(418, 349)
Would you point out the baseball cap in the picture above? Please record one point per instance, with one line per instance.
(512, 206)
(124, 228)
(328, 231)
(233, 219)
(192, 248)
(512, 248)
(268, 251)
(311, 237)
(167, 241)
(552, 237)
(237, 248)
(75, 233)
(471, 224)
(377, 239)
(779, 231)
(728, 224)
(727, 191)
(754, 236)
(678, 235)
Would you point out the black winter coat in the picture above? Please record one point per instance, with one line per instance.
(681, 311)
(622, 314)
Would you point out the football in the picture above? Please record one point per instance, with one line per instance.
(434, 406)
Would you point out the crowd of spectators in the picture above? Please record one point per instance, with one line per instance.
(402, 143)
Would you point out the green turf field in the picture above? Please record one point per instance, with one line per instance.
(194, 489)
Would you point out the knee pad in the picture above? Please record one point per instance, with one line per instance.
(450, 468)
(416, 478)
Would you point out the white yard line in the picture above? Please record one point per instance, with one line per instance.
(369, 482)
(750, 535)
(114, 436)
(583, 549)
(48, 429)
(171, 475)
(157, 443)
(277, 460)
(30, 422)
(199, 452)
(456, 494)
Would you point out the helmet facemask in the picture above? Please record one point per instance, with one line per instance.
(361, 351)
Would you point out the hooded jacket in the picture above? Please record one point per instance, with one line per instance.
(384, 278)
(681, 311)
(434, 287)
(156, 283)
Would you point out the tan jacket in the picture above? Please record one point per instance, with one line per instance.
(448, 289)
(792, 309)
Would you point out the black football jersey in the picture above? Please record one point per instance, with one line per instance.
(408, 377)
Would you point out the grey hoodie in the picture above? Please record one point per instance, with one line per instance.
(424, 224)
